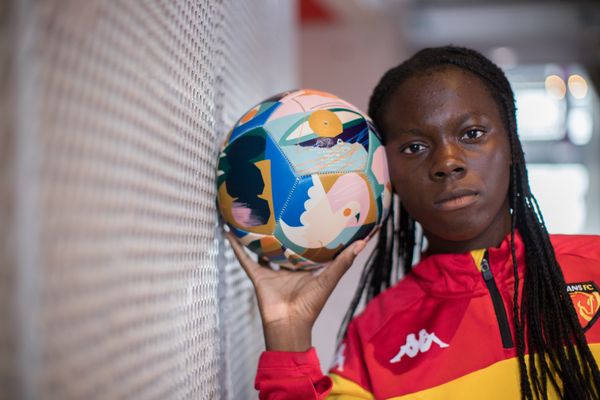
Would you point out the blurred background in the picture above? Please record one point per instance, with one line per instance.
(115, 280)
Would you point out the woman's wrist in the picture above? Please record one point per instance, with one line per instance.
(287, 336)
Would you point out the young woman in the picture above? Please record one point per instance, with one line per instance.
(495, 307)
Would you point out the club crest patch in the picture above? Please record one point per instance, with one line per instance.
(586, 300)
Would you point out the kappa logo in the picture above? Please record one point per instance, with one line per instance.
(586, 300)
(414, 346)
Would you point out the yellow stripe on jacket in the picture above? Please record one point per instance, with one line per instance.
(345, 389)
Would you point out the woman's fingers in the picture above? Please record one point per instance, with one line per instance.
(327, 278)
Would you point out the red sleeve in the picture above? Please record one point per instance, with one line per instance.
(291, 375)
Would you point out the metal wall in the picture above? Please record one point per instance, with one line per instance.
(114, 279)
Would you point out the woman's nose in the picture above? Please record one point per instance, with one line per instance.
(448, 162)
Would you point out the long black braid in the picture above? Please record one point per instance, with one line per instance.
(555, 339)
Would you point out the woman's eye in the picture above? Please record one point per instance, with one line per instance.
(472, 134)
(413, 148)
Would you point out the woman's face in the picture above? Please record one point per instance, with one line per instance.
(449, 159)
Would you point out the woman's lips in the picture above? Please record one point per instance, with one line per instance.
(456, 200)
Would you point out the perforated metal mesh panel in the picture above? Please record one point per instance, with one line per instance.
(8, 336)
(121, 286)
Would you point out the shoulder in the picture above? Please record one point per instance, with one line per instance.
(388, 306)
(583, 246)
(578, 256)
(579, 260)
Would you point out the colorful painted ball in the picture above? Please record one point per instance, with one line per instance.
(301, 176)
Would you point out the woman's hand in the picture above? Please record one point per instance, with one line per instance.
(289, 302)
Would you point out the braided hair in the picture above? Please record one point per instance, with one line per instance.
(555, 339)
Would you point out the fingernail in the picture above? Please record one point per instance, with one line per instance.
(226, 228)
(358, 247)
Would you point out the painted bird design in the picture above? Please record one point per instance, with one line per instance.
(327, 214)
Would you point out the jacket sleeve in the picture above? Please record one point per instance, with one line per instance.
(297, 375)
(291, 375)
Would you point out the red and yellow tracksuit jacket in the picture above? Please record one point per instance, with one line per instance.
(444, 331)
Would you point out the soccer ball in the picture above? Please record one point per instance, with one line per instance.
(301, 176)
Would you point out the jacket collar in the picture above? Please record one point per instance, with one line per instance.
(456, 274)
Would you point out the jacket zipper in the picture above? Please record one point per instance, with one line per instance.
(490, 282)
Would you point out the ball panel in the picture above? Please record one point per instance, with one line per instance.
(282, 175)
(377, 172)
(299, 263)
(305, 101)
(244, 183)
(280, 97)
(269, 247)
(322, 255)
(325, 212)
(320, 134)
(305, 92)
(295, 204)
(262, 245)
(278, 128)
(312, 153)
